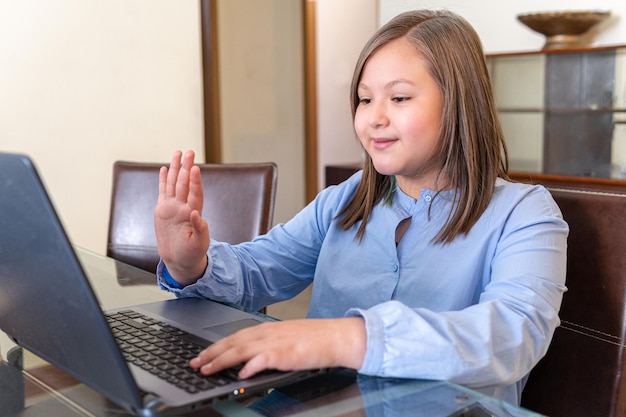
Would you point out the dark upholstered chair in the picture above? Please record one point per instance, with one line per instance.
(584, 371)
(238, 205)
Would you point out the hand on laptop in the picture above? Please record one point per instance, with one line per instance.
(288, 345)
(182, 234)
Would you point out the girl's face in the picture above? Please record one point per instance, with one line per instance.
(399, 115)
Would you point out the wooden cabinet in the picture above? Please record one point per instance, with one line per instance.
(563, 111)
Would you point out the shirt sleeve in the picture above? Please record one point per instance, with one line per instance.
(273, 267)
(496, 341)
(253, 274)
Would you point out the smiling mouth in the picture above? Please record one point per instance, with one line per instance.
(383, 143)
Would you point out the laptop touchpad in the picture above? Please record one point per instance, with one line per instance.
(230, 328)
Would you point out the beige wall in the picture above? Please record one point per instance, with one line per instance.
(343, 27)
(86, 82)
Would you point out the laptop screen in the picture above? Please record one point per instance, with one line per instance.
(46, 302)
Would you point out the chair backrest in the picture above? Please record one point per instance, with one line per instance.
(584, 373)
(238, 206)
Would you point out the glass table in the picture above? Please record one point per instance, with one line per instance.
(31, 387)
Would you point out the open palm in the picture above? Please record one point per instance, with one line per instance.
(182, 234)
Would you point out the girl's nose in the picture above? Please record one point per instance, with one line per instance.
(378, 115)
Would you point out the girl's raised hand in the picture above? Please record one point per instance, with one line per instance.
(182, 234)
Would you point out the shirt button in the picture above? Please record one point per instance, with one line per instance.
(395, 268)
(427, 198)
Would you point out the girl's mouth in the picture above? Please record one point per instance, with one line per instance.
(382, 143)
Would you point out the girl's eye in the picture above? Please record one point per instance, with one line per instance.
(364, 101)
(400, 99)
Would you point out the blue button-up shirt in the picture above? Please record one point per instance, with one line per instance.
(479, 311)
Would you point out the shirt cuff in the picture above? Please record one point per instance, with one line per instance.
(374, 354)
(169, 280)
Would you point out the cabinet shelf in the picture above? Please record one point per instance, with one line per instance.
(563, 112)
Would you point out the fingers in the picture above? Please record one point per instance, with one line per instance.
(183, 176)
(241, 347)
(195, 192)
(162, 183)
(197, 222)
(255, 365)
(274, 345)
(172, 175)
(177, 176)
(288, 345)
(218, 356)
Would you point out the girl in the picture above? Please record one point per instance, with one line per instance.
(426, 264)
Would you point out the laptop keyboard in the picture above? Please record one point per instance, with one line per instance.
(164, 351)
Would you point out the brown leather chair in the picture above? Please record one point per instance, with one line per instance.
(238, 206)
(584, 372)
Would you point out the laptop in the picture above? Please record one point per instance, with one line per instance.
(48, 307)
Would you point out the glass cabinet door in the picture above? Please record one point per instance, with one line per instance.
(518, 88)
(563, 112)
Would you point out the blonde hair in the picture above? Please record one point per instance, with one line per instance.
(472, 149)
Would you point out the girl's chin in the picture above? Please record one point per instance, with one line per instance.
(384, 169)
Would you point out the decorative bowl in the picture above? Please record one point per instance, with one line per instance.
(563, 29)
